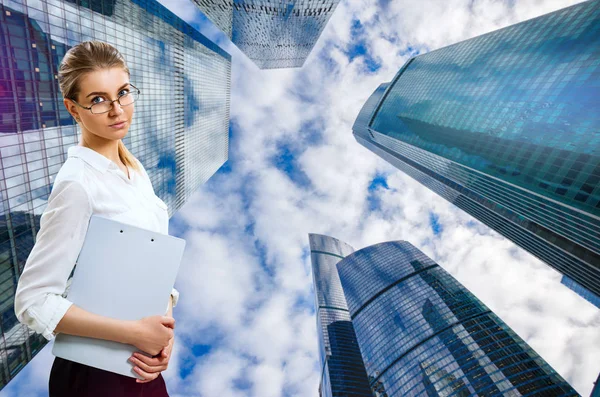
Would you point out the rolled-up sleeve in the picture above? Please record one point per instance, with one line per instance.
(39, 300)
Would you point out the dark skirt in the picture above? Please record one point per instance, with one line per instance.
(68, 378)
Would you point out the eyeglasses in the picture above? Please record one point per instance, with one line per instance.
(105, 106)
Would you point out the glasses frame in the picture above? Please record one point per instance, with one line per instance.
(111, 102)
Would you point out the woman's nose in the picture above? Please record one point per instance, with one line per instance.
(116, 107)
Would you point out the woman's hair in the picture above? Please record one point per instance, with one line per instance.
(87, 57)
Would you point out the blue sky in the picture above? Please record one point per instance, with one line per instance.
(245, 320)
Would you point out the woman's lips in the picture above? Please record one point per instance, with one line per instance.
(117, 126)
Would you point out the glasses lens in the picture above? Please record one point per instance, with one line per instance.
(124, 100)
(128, 98)
(100, 107)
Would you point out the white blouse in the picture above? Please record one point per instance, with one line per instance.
(87, 183)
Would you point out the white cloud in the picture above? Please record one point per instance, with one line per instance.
(276, 338)
(216, 375)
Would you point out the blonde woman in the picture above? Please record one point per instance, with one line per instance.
(100, 176)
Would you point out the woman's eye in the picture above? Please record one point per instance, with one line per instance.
(124, 90)
(96, 97)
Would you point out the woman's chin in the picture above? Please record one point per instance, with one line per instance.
(118, 133)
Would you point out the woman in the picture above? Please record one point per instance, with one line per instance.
(99, 177)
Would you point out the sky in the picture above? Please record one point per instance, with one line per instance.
(245, 321)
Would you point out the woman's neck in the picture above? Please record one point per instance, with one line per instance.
(109, 149)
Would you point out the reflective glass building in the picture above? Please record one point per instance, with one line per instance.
(179, 131)
(505, 126)
(596, 389)
(422, 333)
(342, 369)
(272, 33)
(579, 290)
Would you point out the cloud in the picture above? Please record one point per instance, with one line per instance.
(269, 112)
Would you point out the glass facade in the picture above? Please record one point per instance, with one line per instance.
(180, 128)
(579, 290)
(273, 34)
(421, 333)
(596, 389)
(504, 125)
(220, 13)
(342, 369)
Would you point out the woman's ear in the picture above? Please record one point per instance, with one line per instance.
(72, 109)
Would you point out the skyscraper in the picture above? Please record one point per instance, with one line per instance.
(180, 128)
(274, 35)
(342, 369)
(579, 290)
(596, 389)
(421, 332)
(504, 126)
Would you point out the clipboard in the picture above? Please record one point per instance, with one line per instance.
(124, 272)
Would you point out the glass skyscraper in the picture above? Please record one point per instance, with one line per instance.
(342, 369)
(422, 333)
(596, 389)
(179, 132)
(273, 34)
(579, 290)
(505, 126)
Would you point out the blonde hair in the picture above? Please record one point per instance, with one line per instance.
(87, 57)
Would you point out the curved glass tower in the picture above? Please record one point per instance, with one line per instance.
(343, 372)
(422, 333)
(504, 126)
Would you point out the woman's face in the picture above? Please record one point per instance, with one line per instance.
(98, 86)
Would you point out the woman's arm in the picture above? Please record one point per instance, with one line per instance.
(39, 301)
(149, 334)
(78, 321)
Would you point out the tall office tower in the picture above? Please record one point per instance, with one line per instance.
(505, 126)
(179, 131)
(579, 290)
(596, 389)
(422, 333)
(273, 34)
(220, 13)
(342, 369)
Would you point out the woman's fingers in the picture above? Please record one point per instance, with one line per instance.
(149, 365)
(151, 361)
(147, 376)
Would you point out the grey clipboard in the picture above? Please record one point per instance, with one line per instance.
(123, 272)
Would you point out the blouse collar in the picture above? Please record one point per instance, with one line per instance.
(92, 157)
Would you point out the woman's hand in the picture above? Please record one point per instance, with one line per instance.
(152, 334)
(151, 367)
